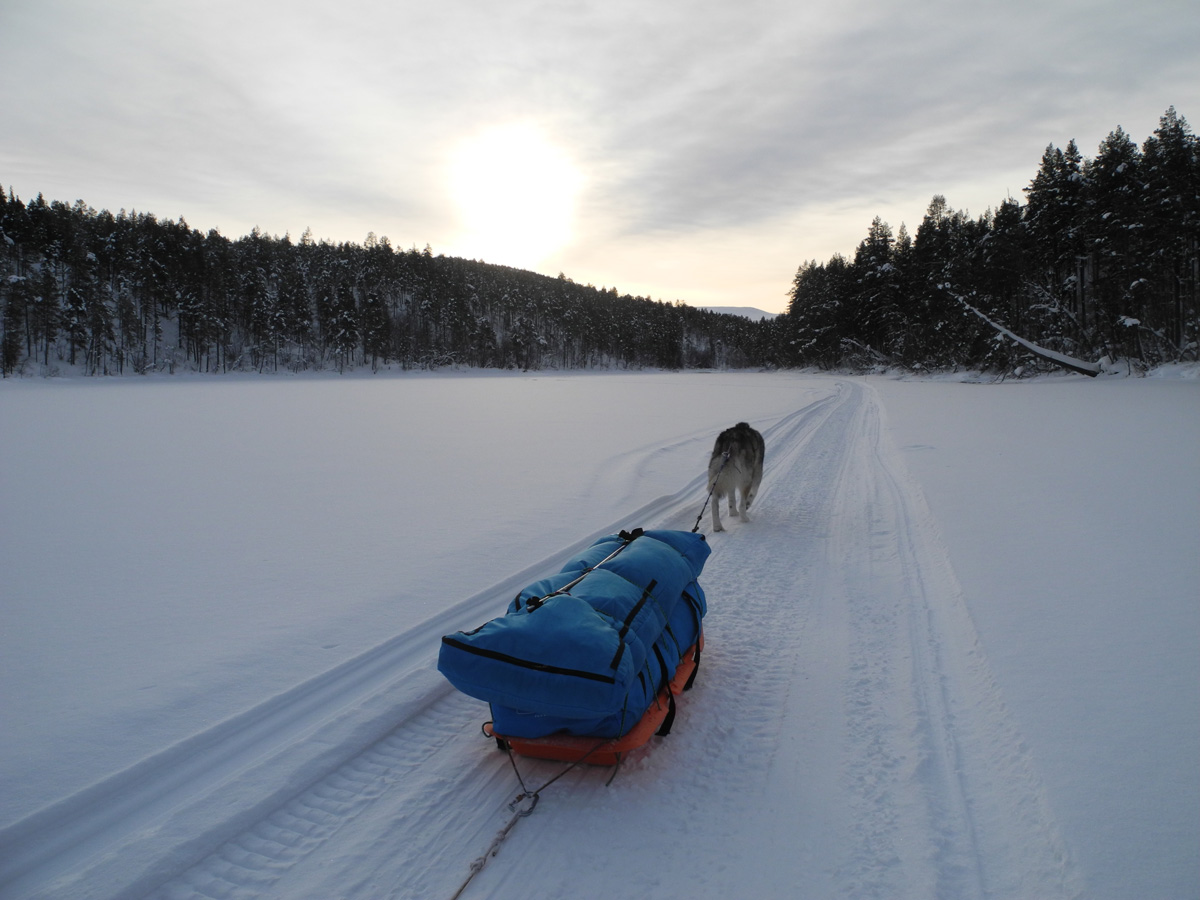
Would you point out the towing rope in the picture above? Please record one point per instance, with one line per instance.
(477, 866)
(518, 814)
(712, 487)
(627, 538)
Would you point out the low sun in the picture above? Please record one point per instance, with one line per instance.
(515, 193)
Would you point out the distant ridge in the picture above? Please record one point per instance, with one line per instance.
(750, 312)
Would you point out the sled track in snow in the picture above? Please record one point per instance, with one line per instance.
(904, 764)
(938, 795)
(840, 649)
(315, 742)
(252, 862)
(430, 832)
(931, 742)
(861, 747)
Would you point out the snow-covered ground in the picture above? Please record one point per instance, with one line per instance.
(955, 652)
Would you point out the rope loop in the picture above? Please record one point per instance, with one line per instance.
(522, 813)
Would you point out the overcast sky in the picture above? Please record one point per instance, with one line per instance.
(696, 151)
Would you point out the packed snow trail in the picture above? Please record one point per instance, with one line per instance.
(845, 738)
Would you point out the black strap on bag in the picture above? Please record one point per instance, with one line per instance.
(647, 593)
(694, 606)
(665, 728)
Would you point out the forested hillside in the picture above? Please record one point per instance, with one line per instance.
(107, 294)
(1101, 260)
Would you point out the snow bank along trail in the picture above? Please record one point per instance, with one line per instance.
(845, 738)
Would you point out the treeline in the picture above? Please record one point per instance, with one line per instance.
(1100, 261)
(129, 293)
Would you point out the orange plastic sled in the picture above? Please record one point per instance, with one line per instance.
(599, 751)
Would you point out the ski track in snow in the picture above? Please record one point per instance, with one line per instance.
(845, 733)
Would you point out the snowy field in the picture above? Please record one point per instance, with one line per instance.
(955, 652)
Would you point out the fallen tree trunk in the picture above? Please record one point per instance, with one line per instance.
(1053, 356)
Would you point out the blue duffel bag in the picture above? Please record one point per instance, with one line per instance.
(585, 651)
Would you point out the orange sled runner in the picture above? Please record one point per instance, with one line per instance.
(573, 749)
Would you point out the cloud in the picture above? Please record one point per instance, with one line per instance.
(909, 92)
(761, 124)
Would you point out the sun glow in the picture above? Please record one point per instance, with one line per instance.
(515, 193)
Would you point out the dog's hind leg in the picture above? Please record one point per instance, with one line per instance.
(716, 513)
(751, 493)
(755, 482)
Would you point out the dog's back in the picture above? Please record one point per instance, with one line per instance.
(735, 468)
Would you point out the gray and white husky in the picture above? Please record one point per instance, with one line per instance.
(735, 468)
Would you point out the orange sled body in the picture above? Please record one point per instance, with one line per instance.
(600, 751)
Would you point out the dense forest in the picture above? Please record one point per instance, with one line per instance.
(1101, 260)
(129, 293)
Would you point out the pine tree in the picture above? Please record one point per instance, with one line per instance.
(1171, 169)
(939, 274)
(12, 349)
(375, 330)
(817, 319)
(880, 325)
(1055, 215)
(344, 330)
(1113, 227)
